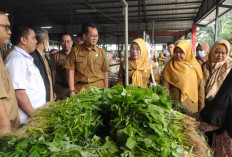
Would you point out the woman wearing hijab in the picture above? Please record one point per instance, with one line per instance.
(217, 115)
(217, 67)
(139, 66)
(183, 78)
(202, 53)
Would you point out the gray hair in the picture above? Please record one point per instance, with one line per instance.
(41, 34)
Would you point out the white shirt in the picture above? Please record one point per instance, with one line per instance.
(25, 75)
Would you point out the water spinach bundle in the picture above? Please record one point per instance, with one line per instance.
(131, 122)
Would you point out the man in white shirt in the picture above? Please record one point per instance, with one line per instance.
(25, 76)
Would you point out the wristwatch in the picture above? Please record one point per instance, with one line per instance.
(70, 91)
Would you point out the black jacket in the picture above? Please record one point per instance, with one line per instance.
(38, 61)
(218, 111)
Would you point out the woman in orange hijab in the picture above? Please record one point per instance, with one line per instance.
(139, 69)
(183, 78)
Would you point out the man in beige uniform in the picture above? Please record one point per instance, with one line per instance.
(60, 74)
(87, 64)
(9, 116)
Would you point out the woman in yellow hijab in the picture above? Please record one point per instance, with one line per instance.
(183, 78)
(139, 70)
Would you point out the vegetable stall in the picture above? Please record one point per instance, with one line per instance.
(111, 122)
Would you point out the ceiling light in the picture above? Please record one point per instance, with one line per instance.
(46, 27)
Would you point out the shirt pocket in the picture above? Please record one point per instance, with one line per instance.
(61, 63)
(34, 78)
(97, 63)
(80, 64)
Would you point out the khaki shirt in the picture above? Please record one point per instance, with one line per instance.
(89, 65)
(58, 62)
(146, 75)
(48, 70)
(7, 95)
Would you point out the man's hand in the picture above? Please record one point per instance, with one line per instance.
(105, 79)
(71, 74)
(71, 94)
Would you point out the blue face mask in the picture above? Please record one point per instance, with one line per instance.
(200, 54)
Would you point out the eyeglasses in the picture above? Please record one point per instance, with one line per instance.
(93, 36)
(7, 27)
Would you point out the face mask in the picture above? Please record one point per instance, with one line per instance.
(200, 54)
(47, 46)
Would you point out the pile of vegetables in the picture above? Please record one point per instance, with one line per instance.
(106, 123)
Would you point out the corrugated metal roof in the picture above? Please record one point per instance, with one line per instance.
(170, 15)
(223, 8)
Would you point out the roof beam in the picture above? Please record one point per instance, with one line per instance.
(145, 10)
(192, 13)
(152, 4)
(226, 6)
(207, 6)
(148, 10)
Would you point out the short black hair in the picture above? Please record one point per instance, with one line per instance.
(169, 43)
(18, 32)
(85, 27)
(64, 35)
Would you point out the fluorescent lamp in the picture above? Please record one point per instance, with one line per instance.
(46, 27)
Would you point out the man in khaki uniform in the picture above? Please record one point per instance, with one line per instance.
(9, 116)
(60, 74)
(41, 61)
(87, 64)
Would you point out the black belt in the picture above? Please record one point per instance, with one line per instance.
(79, 82)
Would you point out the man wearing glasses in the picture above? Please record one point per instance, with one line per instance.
(9, 116)
(60, 74)
(87, 63)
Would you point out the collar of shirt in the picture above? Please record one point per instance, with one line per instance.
(24, 53)
(94, 47)
(42, 53)
(63, 52)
